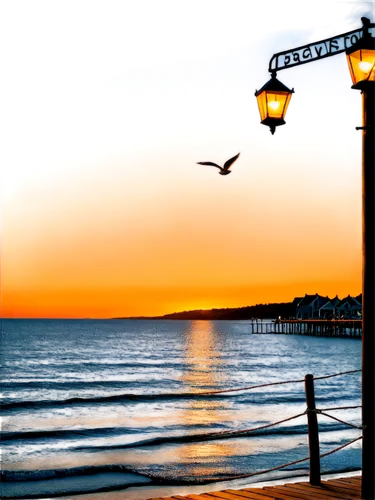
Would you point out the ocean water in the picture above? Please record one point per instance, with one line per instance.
(134, 406)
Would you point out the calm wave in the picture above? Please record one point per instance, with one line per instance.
(94, 406)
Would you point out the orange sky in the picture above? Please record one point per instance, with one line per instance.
(105, 212)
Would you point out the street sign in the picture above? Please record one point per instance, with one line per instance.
(314, 51)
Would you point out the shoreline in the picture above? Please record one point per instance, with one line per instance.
(151, 492)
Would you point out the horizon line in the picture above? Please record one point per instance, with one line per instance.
(161, 316)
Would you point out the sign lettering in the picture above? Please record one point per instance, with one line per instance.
(334, 45)
(314, 51)
(307, 53)
(319, 50)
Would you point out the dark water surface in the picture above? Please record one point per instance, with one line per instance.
(94, 406)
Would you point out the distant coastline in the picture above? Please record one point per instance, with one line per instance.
(261, 311)
(308, 307)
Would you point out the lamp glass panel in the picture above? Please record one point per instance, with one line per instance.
(287, 100)
(362, 65)
(262, 105)
(277, 103)
(350, 67)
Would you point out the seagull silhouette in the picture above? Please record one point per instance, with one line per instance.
(223, 170)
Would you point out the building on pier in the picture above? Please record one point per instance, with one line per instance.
(319, 307)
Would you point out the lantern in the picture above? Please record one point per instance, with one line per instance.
(273, 99)
(361, 61)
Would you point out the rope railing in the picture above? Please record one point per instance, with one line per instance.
(338, 420)
(224, 434)
(341, 447)
(211, 436)
(311, 413)
(313, 434)
(294, 462)
(272, 469)
(341, 408)
(248, 388)
(253, 429)
(337, 374)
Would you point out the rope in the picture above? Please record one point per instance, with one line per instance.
(271, 383)
(215, 435)
(248, 388)
(340, 447)
(341, 421)
(336, 374)
(246, 431)
(224, 434)
(240, 476)
(341, 408)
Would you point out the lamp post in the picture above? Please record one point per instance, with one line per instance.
(361, 61)
(359, 47)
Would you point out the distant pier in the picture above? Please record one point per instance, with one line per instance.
(313, 327)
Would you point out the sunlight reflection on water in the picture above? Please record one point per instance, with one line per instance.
(203, 358)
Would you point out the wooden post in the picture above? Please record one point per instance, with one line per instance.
(313, 431)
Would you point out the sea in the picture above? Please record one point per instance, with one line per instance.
(134, 409)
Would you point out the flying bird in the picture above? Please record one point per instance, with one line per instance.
(223, 170)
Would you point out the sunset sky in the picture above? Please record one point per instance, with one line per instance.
(106, 106)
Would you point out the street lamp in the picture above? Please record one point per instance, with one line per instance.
(359, 47)
(273, 100)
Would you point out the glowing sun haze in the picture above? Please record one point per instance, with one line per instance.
(105, 109)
